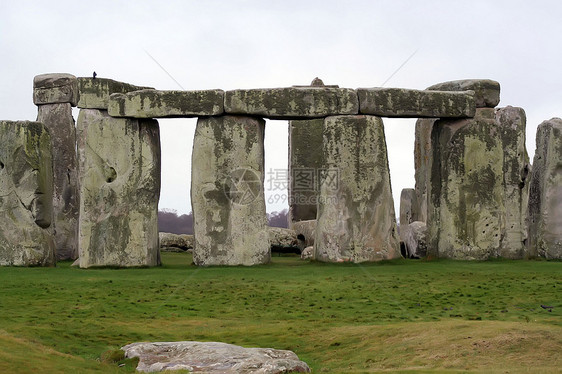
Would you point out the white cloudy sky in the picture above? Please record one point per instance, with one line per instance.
(253, 44)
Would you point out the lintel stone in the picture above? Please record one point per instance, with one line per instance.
(94, 92)
(162, 104)
(487, 91)
(292, 102)
(400, 102)
(55, 88)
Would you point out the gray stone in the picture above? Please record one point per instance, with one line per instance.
(306, 229)
(165, 104)
(55, 88)
(466, 205)
(292, 102)
(545, 195)
(408, 206)
(282, 237)
(60, 123)
(400, 102)
(305, 166)
(511, 125)
(26, 195)
(94, 93)
(422, 163)
(487, 92)
(119, 164)
(230, 222)
(415, 241)
(307, 253)
(213, 357)
(356, 220)
(175, 242)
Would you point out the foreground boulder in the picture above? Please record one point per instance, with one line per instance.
(545, 195)
(119, 161)
(26, 195)
(213, 357)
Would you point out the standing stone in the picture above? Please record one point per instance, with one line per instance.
(58, 119)
(466, 207)
(511, 125)
(26, 195)
(422, 164)
(356, 220)
(408, 209)
(305, 165)
(119, 161)
(545, 195)
(230, 223)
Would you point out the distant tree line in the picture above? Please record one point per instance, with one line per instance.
(170, 221)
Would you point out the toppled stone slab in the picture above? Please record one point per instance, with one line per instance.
(306, 229)
(545, 195)
(414, 238)
(60, 123)
(213, 357)
(55, 88)
(282, 237)
(486, 91)
(95, 92)
(167, 104)
(26, 195)
(292, 102)
(119, 165)
(230, 223)
(356, 220)
(175, 242)
(400, 102)
(422, 164)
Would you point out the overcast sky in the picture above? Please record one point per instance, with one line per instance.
(256, 44)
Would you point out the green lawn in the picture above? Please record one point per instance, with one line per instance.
(436, 316)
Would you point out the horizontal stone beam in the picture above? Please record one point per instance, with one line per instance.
(167, 104)
(95, 92)
(487, 91)
(55, 88)
(399, 102)
(292, 102)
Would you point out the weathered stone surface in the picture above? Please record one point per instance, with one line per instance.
(466, 206)
(60, 123)
(422, 164)
(511, 124)
(213, 357)
(282, 237)
(486, 91)
(169, 241)
(292, 102)
(408, 206)
(545, 195)
(55, 88)
(26, 193)
(306, 229)
(400, 102)
(305, 166)
(307, 253)
(119, 163)
(414, 238)
(227, 196)
(162, 104)
(94, 93)
(356, 220)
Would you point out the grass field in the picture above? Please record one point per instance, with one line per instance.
(401, 316)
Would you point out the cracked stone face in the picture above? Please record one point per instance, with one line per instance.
(26, 193)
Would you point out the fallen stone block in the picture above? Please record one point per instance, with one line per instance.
(414, 238)
(306, 231)
(545, 194)
(55, 88)
(95, 92)
(167, 104)
(292, 102)
(213, 357)
(486, 91)
(119, 165)
(400, 102)
(230, 223)
(356, 220)
(26, 195)
(175, 242)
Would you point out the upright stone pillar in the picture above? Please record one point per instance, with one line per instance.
(356, 220)
(119, 163)
(545, 195)
(26, 195)
(230, 223)
(55, 94)
(422, 164)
